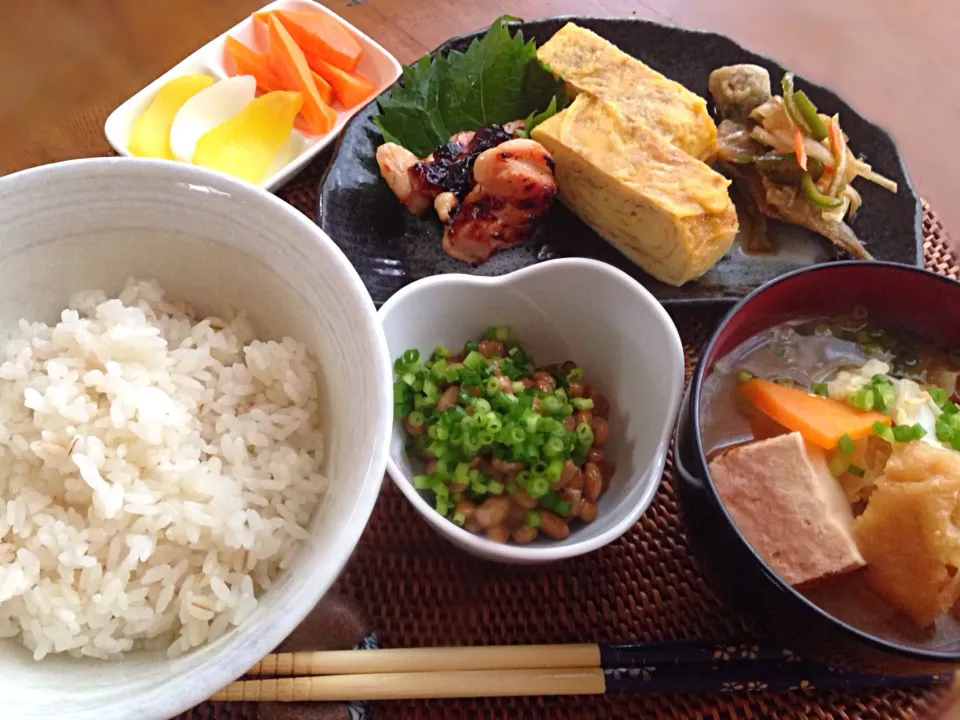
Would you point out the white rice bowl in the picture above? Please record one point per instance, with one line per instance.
(156, 471)
(223, 246)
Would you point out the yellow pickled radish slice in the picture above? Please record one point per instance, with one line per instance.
(246, 144)
(150, 134)
(207, 109)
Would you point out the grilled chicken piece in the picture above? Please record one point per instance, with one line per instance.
(788, 204)
(412, 179)
(446, 206)
(396, 166)
(515, 185)
(738, 89)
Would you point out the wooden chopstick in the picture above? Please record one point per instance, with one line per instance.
(419, 685)
(506, 657)
(518, 670)
(736, 676)
(354, 662)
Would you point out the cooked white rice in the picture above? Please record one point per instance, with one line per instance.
(156, 472)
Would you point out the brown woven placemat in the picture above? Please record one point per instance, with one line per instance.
(646, 586)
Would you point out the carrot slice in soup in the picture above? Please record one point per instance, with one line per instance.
(349, 88)
(319, 34)
(290, 65)
(822, 421)
(250, 62)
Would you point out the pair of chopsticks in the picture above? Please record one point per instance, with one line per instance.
(529, 670)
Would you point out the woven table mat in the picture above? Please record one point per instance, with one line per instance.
(421, 591)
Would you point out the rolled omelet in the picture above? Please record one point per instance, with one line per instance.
(665, 210)
(588, 63)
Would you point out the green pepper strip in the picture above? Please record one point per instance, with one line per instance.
(808, 111)
(789, 104)
(813, 194)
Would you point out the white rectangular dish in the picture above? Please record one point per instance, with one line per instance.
(375, 63)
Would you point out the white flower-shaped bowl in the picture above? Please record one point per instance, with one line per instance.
(222, 245)
(570, 309)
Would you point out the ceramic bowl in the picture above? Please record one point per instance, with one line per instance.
(732, 565)
(221, 245)
(573, 309)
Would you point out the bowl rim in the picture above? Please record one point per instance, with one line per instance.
(547, 553)
(693, 411)
(191, 686)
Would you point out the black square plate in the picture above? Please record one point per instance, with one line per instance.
(390, 247)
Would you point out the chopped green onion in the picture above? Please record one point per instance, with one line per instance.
(585, 434)
(501, 333)
(518, 388)
(495, 487)
(442, 351)
(551, 403)
(938, 395)
(421, 482)
(441, 490)
(838, 465)
(906, 433)
(562, 507)
(538, 486)
(944, 432)
(531, 519)
(863, 399)
(582, 403)
(515, 435)
(883, 430)
(416, 419)
(574, 375)
(744, 376)
(431, 390)
(459, 519)
(846, 445)
(410, 356)
(821, 389)
(442, 505)
(474, 360)
(884, 395)
(481, 406)
(530, 421)
(554, 469)
(856, 471)
(553, 447)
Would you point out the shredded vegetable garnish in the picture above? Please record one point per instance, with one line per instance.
(792, 125)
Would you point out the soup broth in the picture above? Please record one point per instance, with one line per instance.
(817, 356)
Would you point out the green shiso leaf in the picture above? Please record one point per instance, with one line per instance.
(496, 80)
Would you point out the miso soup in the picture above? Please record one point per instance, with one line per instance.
(835, 445)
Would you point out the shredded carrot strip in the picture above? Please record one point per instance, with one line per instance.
(799, 148)
(836, 138)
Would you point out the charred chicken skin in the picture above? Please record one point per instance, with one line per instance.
(515, 186)
(488, 188)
